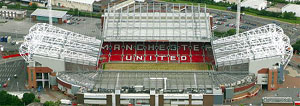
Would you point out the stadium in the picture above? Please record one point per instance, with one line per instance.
(156, 54)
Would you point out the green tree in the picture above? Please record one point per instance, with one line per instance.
(7, 99)
(289, 15)
(28, 98)
(51, 103)
(76, 11)
(33, 6)
(18, 5)
(296, 46)
(231, 32)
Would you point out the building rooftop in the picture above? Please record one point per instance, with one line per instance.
(277, 100)
(164, 22)
(17, 11)
(170, 81)
(83, 1)
(292, 7)
(56, 43)
(254, 44)
(45, 13)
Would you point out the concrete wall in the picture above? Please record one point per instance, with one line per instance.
(74, 5)
(54, 64)
(262, 79)
(256, 65)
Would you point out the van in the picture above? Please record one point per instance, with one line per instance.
(65, 101)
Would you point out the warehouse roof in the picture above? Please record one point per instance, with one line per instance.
(45, 13)
(292, 8)
(83, 1)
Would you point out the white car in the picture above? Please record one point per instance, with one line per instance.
(214, 27)
(1, 48)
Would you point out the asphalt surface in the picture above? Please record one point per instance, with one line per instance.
(18, 83)
(17, 29)
(291, 30)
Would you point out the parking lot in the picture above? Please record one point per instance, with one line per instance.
(250, 22)
(83, 25)
(13, 74)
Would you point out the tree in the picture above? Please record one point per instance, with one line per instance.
(18, 5)
(7, 99)
(296, 46)
(33, 6)
(289, 15)
(51, 103)
(231, 32)
(28, 98)
(76, 11)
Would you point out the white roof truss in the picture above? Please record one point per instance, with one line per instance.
(263, 42)
(56, 43)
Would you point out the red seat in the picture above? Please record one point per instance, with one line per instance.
(140, 48)
(129, 48)
(183, 48)
(173, 48)
(162, 58)
(185, 58)
(116, 48)
(162, 48)
(116, 58)
(105, 48)
(197, 58)
(173, 58)
(150, 47)
(196, 49)
(139, 58)
(150, 58)
(128, 57)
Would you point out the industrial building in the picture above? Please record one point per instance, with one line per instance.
(82, 5)
(255, 4)
(12, 14)
(292, 8)
(43, 15)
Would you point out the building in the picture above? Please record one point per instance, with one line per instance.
(43, 15)
(292, 8)
(268, 77)
(155, 33)
(255, 4)
(256, 54)
(293, 1)
(13, 14)
(82, 5)
(154, 99)
(277, 101)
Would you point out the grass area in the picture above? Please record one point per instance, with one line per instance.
(156, 66)
(297, 21)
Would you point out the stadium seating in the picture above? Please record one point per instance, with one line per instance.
(129, 48)
(116, 48)
(156, 52)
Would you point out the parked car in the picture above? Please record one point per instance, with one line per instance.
(214, 27)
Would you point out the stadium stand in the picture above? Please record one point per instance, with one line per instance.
(198, 81)
(156, 51)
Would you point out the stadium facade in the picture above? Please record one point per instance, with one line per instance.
(159, 34)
